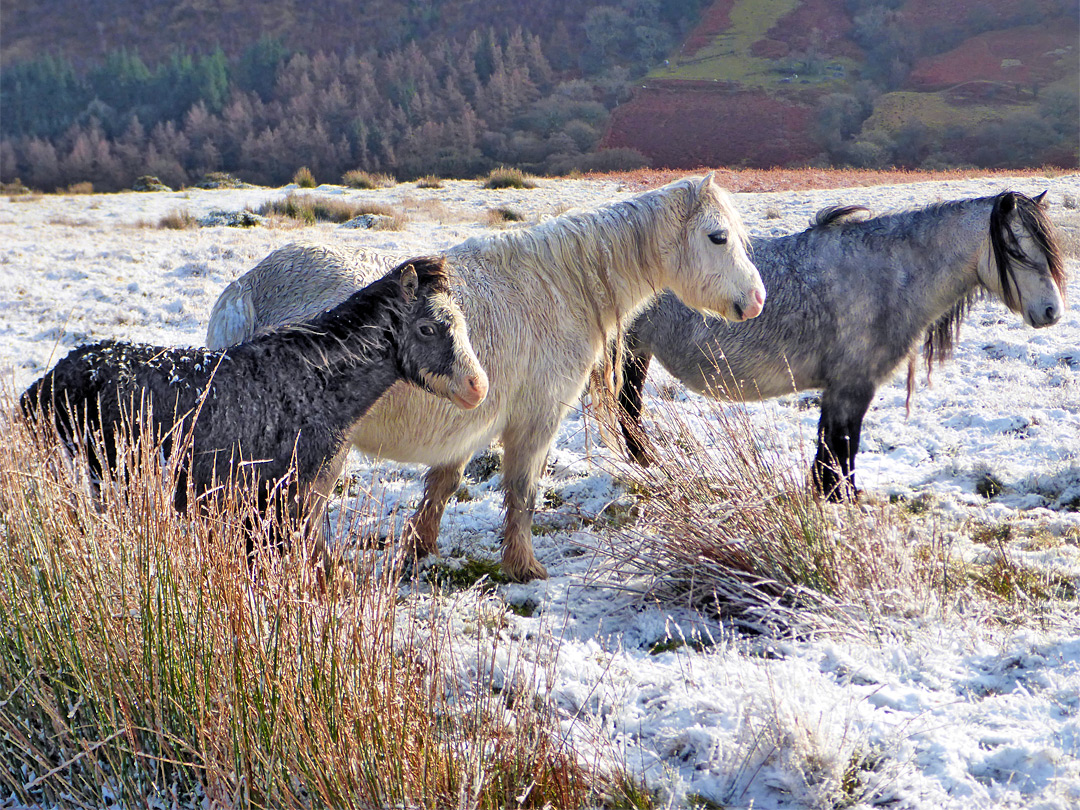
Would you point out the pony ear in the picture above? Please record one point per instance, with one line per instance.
(1039, 199)
(409, 283)
(1007, 202)
(706, 182)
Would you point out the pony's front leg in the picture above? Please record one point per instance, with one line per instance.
(316, 514)
(842, 412)
(524, 456)
(423, 529)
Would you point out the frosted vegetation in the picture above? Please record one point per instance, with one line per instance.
(711, 635)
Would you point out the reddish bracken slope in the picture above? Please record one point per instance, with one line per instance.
(1024, 56)
(687, 124)
(684, 124)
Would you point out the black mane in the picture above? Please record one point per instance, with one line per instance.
(941, 336)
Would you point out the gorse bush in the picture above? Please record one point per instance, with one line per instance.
(147, 660)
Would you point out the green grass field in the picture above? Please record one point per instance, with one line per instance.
(728, 57)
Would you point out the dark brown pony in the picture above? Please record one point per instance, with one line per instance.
(275, 411)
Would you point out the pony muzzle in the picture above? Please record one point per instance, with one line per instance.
(1043, 314)
(471, 392)
(465, 389)
(754, 307)
(746, 308)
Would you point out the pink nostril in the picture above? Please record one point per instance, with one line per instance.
(753, 309)
(479, 386)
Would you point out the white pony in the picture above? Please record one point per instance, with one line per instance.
(541, 304)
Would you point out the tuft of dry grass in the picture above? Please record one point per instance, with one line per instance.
(146, 657)
(15, 188)
(85, 187)
(178, 219)
(728, 522)
(429, 181)
(495, 217)
(505, 177)
(436, 210)
(312, 208)
(367, 180)
(304, 178)
(730, 525)
(393, 220)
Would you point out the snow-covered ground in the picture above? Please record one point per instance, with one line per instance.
(935, 711)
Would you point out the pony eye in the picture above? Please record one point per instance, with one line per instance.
(718, 237)
(427, 330)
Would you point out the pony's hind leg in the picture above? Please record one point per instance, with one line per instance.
(842, 412)
(423, 529)
(635, 369)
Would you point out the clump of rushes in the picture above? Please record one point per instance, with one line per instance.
(366, 180)
(312, 208)
(505, 177)
(501, 216)
(304, 178)
(178, 220)
(429, 181)
(146, 657)
(733, 527)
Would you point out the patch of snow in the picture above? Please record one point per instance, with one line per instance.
(930, 711)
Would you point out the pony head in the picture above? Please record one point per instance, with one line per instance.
(713, 271)
(434, 349)
(1021, 262)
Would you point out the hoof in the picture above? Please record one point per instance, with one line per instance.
(638, 447)
(842, 493)
(419, 543)
(524, 571)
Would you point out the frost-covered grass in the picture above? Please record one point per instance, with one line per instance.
(145, 660)
(727, 524)
(917, 650)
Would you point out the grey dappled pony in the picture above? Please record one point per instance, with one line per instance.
(849, 300)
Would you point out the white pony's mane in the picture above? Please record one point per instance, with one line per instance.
(597, 251)
(604, 257)
(631, 220)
